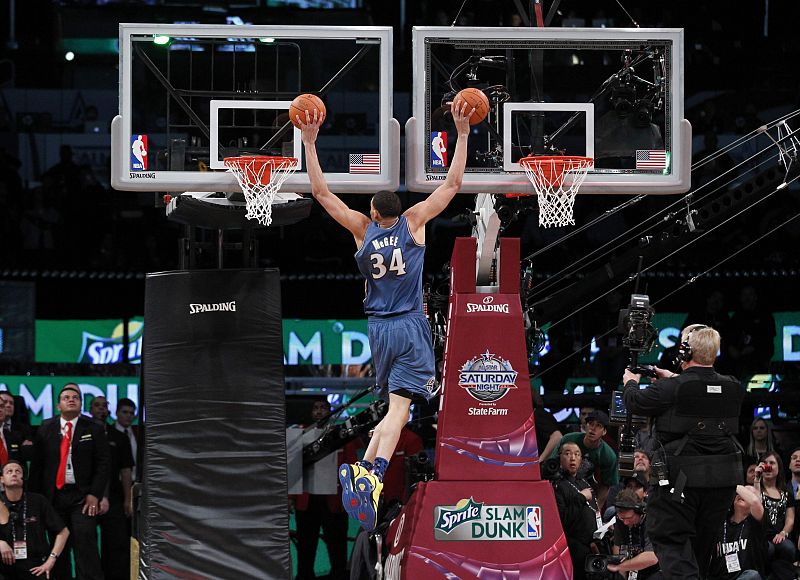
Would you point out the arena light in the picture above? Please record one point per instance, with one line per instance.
(267, 40)
(161, 39)
(69, 56)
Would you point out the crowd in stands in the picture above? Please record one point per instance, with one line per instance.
(66, 484)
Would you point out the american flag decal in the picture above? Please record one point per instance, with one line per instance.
(651, 159)
(365, 163)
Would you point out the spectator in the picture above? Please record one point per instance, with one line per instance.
(70, 467)
(32, 516)
(639, 482)
(778, 508)
(548, 434)
(750, 471)
(762, 441)
(597, 452)
(315, 512)
(17, 418)
(11, 443)
(739, 552)
(126, 413)
(794, 469)
(116, 505)
(631, 539)
(577, 506)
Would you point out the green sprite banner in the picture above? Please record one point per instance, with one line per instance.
(316, 342)
(88, 341)
(41, 392)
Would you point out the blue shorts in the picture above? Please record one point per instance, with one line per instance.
(402, 353)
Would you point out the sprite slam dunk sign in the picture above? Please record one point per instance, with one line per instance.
(471, 520)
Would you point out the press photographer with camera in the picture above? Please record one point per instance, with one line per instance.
(577, 505)
(697, 462)
(631, 540)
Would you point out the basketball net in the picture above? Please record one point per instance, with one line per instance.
(556, 196)
(260, 177)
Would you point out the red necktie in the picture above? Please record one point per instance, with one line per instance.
(3, 451)
(61, 476)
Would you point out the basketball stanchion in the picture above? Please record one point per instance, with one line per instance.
(556, 194)
(260, 177)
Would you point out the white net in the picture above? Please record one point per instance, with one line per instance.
(555, 189)
(260, 177)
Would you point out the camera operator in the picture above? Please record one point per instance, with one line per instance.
(577, 506)
(696, 462)
(631, 539)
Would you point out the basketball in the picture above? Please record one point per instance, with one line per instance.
(303, 103)
(476, 99)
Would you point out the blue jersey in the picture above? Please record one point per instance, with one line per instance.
(391, 261)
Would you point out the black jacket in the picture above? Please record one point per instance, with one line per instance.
(91, 461)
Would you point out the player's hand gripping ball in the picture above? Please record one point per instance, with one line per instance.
(303, 103)
(476, 99)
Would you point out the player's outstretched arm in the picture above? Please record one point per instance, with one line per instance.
(421, 213)
(355, 222)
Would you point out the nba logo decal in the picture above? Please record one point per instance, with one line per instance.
(138, 152)
(438, 149)
(533, 521)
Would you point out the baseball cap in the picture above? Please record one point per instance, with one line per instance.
(598, 416)
(640, 478)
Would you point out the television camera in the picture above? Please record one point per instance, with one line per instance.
(639, 336)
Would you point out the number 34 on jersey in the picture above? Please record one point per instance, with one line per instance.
(396, 264)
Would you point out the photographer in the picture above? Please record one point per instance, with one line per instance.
(631, 539)
(696, 462)
(577, 506)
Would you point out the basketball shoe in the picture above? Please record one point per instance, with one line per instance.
(348, 473)
(368, 488)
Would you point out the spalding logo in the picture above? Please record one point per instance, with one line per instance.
(218, 307)
(487, 306)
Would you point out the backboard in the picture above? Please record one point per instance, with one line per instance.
(191, 95)
(612, 94)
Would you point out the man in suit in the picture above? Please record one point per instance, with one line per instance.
(115, 507)
(16, 417)
(70, 468)
(126, 413)
(12, 445)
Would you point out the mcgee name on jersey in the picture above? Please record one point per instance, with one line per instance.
(386, 241)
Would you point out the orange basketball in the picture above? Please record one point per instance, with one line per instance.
(303, 103)
(477, 99)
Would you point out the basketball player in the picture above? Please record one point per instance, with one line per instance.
(390, 254)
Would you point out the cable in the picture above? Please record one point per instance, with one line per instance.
(679, 288)
(459, 12)
(628, 14)
(689, 243)
(628, 235)
(709, 158)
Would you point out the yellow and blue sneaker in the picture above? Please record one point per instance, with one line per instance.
(368, 487)
(348, 473)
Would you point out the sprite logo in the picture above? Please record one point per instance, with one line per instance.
(469, 520)
(100, 350)
(464, 511)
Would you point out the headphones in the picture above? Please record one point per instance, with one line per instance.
(684, 350)
(638, 508)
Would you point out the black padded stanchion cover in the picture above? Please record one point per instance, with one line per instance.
(214, 502)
